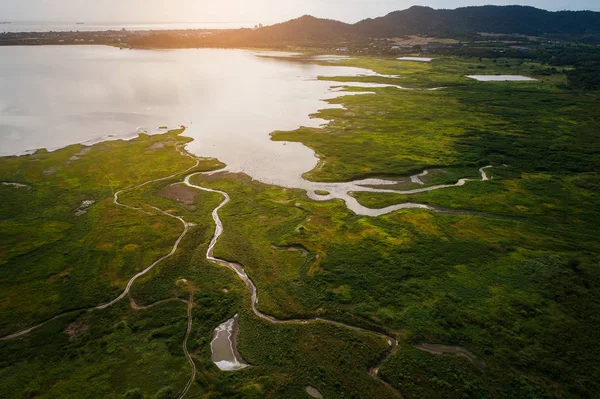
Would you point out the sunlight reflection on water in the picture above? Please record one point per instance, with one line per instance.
(230, 100)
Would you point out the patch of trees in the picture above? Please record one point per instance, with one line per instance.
(584, 78)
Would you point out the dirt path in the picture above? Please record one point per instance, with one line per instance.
(438, 349)
(182, 152)
(146, 270)
(138, 275)
(240, 271)
(237, 268)
(185, 348)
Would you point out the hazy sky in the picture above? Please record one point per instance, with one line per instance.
(267, 11)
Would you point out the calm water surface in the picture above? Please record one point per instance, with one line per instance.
(231, 100)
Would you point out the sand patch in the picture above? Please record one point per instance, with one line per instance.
(16, 185)
(76, 329)
(158, 145)
(83, 208)
(313, 392)
(182, 194)
(80, 154)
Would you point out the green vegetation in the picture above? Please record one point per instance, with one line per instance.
(512, 275)
(422, 375)
(585, 78)
(510, 269)
(102, 354)
(54, 261)
(505, 288)
(468, 124)
(120, 352)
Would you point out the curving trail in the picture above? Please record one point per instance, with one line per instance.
(438, 349)
(135, 306)
(185, 348)
(138, 275)
(190, 305)
(127, 291)
(239, 269)
(116, 195)
(146, 270)
(241, 272)
(30, 329)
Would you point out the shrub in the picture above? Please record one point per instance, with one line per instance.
(165, 393)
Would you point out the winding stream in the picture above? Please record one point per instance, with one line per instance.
(344, 191)
(275, 163)
(339, 188)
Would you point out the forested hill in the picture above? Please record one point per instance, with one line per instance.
(461, 23)
(304, 30)
(472, 20)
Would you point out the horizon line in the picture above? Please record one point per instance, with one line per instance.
(85, 21)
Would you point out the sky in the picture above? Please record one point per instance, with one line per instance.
(246, 11)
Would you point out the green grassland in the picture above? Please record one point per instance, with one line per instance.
(534, 125)
(120, 352)
(53, 261)
(522, 294)
(510, 270)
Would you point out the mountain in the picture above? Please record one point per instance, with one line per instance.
(303, 30)
(471, 20)
(464, 22)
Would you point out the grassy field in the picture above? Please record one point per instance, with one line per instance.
(513, 275)
(533, 125)
(54, 261)
(521, 293)
(120, 352)
(510, 270)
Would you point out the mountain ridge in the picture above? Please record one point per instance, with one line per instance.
(512, 19)
(462, 23)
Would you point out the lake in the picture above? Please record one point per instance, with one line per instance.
(54, 96)
(231, 100)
